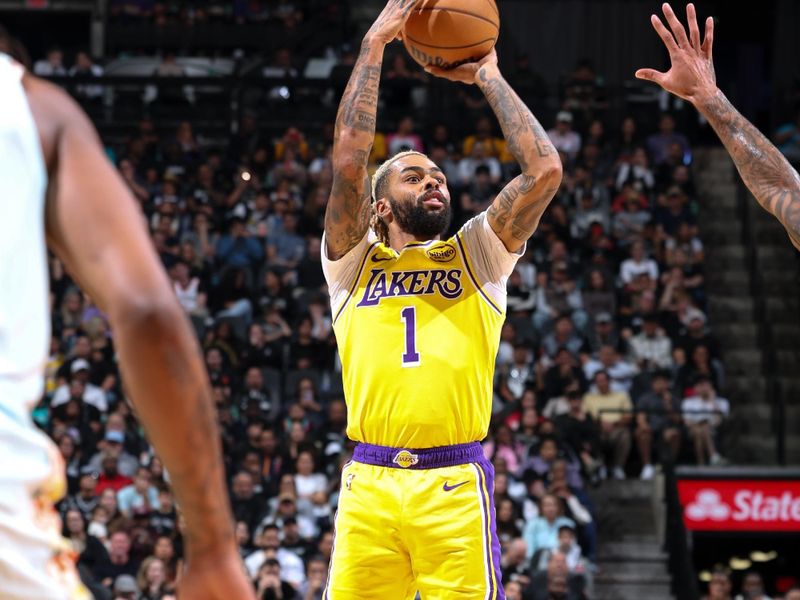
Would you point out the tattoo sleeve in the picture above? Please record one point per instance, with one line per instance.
(348, 212)
(517, 209)
(764, 170)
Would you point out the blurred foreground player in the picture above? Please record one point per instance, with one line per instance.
(418, 323)
(765, 171)
(57, 185)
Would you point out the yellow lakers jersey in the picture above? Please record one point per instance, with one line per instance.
(418, 332)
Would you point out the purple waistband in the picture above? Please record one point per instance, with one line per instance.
(412, 458)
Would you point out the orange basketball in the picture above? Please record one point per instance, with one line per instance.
(447, 33)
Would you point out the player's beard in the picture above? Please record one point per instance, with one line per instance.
(413, 217)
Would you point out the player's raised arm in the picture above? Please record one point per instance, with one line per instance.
(515, 213)
(765, 171)
(96, 228)
(348, 213)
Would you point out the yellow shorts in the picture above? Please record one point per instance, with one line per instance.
(413, 520)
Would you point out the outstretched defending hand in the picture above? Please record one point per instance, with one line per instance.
(691, 75)
(390, 22)
(466, 73)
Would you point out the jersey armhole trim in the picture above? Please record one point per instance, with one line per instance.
(474, 279)
(355, 281)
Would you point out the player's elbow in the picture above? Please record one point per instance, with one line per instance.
(154, 313)
(551, 173)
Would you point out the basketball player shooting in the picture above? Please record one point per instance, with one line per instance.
(56, 184)
(418, 321)
(764, 170)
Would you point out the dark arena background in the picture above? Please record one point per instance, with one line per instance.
(653, 263)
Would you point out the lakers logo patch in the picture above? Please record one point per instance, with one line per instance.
(405, 459)
(441, 252)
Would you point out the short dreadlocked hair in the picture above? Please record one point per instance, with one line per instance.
(379, 182)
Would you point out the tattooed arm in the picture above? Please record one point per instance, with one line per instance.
(517, 209)
(348, 212)
(765, 171)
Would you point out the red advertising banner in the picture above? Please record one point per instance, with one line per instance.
(740, 505)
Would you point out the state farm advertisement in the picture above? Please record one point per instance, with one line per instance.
(741, 505)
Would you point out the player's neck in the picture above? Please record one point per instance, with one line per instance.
(398, 239)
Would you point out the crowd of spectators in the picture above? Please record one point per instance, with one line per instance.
(606, 347)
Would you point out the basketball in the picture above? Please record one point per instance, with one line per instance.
(448, 33)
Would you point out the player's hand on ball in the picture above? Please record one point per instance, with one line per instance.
(390, 22)
(466, 73)
(215, 578)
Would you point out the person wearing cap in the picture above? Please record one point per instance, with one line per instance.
(91, 395)
(658, 419)
(113, 445)
(703, 413)
(650, 349)
(563, 137)
(125, 588)
(604, 332)
(695, 333)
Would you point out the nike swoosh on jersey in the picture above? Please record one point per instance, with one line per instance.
(447, 488)
(376, 258)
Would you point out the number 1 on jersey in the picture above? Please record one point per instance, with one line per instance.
(409, 316)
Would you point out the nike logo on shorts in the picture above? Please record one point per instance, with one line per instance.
(447, 488)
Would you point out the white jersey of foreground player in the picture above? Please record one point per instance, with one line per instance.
(34, 561)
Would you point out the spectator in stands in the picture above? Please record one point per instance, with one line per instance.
(515, 565)
(650, 349)
(752, 587)
(399, 87)
(719, 588)
(792, 594)
(404, 137)
(316, 578)
(637, 173)
(151, 579)
(237, 248)
(613, 411)
(579, 431)
(638, 264)
(113, 458)
(658, 421)
(84, 67)
(541, 533)
(658, 143)
(125, 588)
(467, 166)
(270, 584)
(604, 332)
(120, 562)
(52, 65)
(696, 333)
(620, 371)
(630, 223)
(140, 497)
(703, 414)
(493, 146)
(87, 548)
(268, 541)
(558, 295)
(674, 212)
(563, 137)
(698, 364)
(686, 241)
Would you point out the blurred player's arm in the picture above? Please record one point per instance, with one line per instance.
(517, 209)
(765, 171)
(96, 229)
(349, 209)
